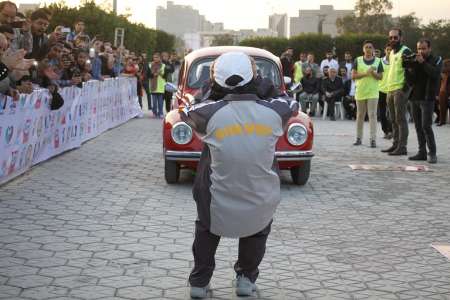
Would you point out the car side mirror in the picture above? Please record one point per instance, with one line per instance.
(189, 98)
(287, 80)
(295, 88)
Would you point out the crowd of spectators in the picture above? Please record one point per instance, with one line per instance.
(316, 86)
(31, 57)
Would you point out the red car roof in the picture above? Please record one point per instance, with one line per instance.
(216, 51)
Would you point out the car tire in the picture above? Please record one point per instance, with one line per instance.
(300, 174)
(171, 171)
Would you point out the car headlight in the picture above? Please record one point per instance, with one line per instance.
(297, 134)
(181, 133)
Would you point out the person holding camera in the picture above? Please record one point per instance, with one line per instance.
(22, 38)
(397, 91)
(424, 74)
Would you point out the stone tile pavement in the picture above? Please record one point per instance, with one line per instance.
(100, 222)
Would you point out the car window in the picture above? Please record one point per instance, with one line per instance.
(200, 71)
(181, 74)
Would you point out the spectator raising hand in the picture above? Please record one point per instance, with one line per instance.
(12, 59)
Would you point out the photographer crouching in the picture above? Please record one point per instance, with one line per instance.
(423, 71)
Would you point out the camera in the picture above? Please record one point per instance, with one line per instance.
(17, 24)
(76, 72)
(409, 58)
(91, 52)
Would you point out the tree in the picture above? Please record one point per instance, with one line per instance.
(439, 33)
(223, 40)
(410, 26)
(370, 17)
(102, 23)
(365, 8)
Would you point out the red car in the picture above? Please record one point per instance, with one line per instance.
(182, 147)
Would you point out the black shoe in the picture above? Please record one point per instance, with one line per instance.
(390, 149)
(332, 118)
(440, 124)
(432, 159)
(418, 156)
(373, 144)
(357, 142)
(388, 136)
(398, 152)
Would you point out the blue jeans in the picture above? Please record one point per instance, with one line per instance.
(158, 102)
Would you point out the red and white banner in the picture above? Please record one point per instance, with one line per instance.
(31, 133)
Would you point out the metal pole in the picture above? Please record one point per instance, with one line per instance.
(115, 6)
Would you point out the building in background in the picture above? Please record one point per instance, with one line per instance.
(188, 24)
(317, 21)
(279, 24)
(197, 40)
(180, 19)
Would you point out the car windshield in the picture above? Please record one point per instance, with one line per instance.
(200, 70)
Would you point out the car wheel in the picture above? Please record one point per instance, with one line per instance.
(171, 171)
(300, 174)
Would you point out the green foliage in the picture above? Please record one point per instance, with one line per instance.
(102, 24)
(354, 43)
(365, 8)
(368, 24)
(318, 44)
(223, 40)
(275, 45)
(439, 33)
(371, 17)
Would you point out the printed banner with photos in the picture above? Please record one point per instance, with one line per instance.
(31, 133)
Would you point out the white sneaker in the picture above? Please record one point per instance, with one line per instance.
(244, 287)
(199, 292)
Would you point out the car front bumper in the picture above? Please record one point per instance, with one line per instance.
(280, 155)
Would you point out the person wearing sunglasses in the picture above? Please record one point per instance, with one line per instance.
(397, 93)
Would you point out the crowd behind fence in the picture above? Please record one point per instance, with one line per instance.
(31, 132)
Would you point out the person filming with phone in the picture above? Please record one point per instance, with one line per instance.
(22, 38)
(423, 73)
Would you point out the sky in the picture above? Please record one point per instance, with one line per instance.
(252, 14)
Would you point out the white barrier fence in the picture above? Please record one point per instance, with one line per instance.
(31, 133)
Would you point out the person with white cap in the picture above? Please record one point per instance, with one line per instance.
(333, 89)
(237, 187)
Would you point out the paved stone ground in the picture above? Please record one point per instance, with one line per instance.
(100, 222)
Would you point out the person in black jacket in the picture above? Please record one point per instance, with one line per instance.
(348, 99)
(310, 91)
(423, 74)
(169, 69)
(287, 62)
(333, 89)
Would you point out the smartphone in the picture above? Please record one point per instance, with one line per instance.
(91, 52)
(17, 24)
(65, 30)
